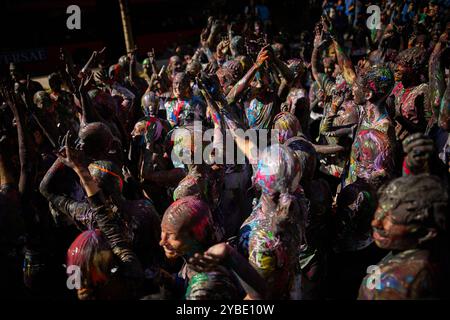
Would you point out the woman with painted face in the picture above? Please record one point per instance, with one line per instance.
(187, 231)
(411, 221)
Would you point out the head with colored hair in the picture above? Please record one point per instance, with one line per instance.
(186, 228)
(328, 66)
(373, 84)
(193, 68)
(278, 170)
(146, 63)
(91, 258)
(103, 102)
(108, 176)
(287, 126)
(124, 61)
(184, 146)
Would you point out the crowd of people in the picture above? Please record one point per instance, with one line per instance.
(349, 202)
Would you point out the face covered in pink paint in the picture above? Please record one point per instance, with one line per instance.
(412, 210)
(186, 228)
(278, 170)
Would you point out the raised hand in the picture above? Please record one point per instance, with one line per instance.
(319, 40)
(101, 76)
(216, 25)
(223, 47)
(68, 155)
(204, 37)
(263, 56)
(210, 259)
(443, 38)
(419, 149)
(85, 81)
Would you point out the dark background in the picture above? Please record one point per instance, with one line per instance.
(33, 31)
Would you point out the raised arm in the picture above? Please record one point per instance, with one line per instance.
(242, 84)
(436, 76)
(88, 112)
(103, 211)
(319, 42)
(26, 176)
(345, 63)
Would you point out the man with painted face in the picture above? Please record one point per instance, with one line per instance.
(411, 221)
(184, 107)
(372, 154)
